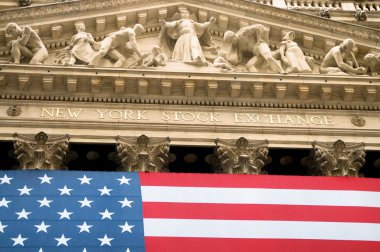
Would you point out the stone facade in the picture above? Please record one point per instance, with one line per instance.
(193, 72)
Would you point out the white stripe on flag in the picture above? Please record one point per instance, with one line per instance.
(260, 196)
(261, 229)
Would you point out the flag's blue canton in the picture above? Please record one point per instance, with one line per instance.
(46, 211)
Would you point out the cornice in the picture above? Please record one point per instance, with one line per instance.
(110, 85)
(247, 7)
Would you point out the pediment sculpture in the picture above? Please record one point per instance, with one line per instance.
(185, 43)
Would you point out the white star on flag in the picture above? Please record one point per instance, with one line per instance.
(126, 227)
(124, 180)
(105, 240)
(19, 240)
(2, 227)
(42, 227)
(5, 180)
(84, 250)
(106, 214)
(4, 202)
(40, 250)
(84, 227)
(25, 190)
(23, 214)
(62, 240)
(105, 190)
(65, 190)
(45, 179)
(128, 250)
(85, 202)
(65, 214)
(45, 202)
(125, 203)
(85, 180)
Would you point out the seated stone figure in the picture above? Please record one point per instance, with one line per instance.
(25, 43)
(158, 58)
(123, 39)
(252, 39)
(81, 46)
(292, 56)
(341, 60)
(222, 63)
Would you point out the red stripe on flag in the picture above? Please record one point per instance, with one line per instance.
(168, 244)
(260, 212)
(259, 181)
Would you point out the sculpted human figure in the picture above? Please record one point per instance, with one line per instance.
(222, 63)
(124, 38)
(158, 58)
(81, 46)
(252, 39)
(370, 61)
(182, 38)
(292, 56)
(341, 59)
(25, 43)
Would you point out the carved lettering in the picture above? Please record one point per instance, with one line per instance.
(101, 112)
(60, 112)
(186, 116)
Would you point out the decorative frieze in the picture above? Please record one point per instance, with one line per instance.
(143, 154)
(243, 157)
(337, 159)
(40, 152)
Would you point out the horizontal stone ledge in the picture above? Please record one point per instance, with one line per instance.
(65, 71)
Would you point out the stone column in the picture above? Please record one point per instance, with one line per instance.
(242, 157)
(143, 154)
(337, 159)
(39, 152)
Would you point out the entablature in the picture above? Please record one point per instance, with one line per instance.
(32, 82)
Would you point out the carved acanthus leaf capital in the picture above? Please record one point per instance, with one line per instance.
(143, 154)
(40, 152)
(337, 159)
(242, 157)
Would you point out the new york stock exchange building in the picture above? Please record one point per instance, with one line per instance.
(194, 125)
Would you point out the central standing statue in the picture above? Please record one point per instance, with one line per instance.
(183, 38)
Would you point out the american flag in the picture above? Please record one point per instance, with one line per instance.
(163, 212)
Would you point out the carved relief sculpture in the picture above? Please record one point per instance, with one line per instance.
(336, 160)
(25, 43)
(157, 58)
(341, 60)
(222, 63)
(182, 39)
(81, 46)
(372, 61)
(292, 56)
(40, 152)
(125, 39)
(252, 42)
(243, 158)
(144, 155)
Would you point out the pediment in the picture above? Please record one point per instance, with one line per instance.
(315, 36)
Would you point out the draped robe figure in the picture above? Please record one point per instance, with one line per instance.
(182, 39)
